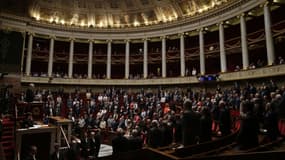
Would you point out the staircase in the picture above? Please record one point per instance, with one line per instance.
(8, 139)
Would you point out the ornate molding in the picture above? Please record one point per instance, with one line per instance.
(184, 25)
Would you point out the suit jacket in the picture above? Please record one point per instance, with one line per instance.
(29, 157)
(120, 144)
(190, 127)
(95, 145)
(154, 137)
(135, 143)
(53, 156)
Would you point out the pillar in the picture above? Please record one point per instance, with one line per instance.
(182, 56)
(29, 55)
(127, 59)
(70, 62)
(90, 58)
(50, 60)
(145, 63)
(268, 35)
(109, 51)
(245, 61)
(223, 59)
(202, 52)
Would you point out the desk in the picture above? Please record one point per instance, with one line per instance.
(60, 122)
(43, 136)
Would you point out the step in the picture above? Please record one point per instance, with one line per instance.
(7, 137)
(7, 144)
(7, 134)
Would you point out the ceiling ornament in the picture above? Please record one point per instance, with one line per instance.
(118, 13)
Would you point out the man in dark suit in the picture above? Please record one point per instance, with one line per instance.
(135, 141)
(249, 128)
(85, 146)
(30, 93)
(95, 143)
(224, 118)
(205, 126)
(120, 143)
(154, 135)
(190, 124)
(56, 155)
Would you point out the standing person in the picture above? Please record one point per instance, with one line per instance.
(119, 143)
(205, 126)
(154, 135)
(95, 143)
(135, 141)
(85, 146)
(248, 134)
(56, 155)
(224, 119)
(271, 122)
(30, 93)
(190, 124)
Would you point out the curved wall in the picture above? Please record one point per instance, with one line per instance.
(185, 25)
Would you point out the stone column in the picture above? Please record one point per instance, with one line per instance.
(245, 61)
(223, 59)
(50, 60)
(70, 63)
(145, 63)
(202, 52)
(127, 59)
(163, 49)
(268, 35)
(109, 53)
(29, 55)
(90, 58)
(182, 55)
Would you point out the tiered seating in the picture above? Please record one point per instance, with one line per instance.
(8, 139)
(204, 147)
(281, 126)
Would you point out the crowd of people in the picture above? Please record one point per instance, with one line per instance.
(162, 116)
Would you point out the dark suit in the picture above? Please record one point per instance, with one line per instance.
(248, 134)
(205, 128)
(54, 156)
(120, 144)
(29, 157)
(190, 127)
(95, 143)
(85, 147)
(135, 143)
(225, 121)
(154, 137)
(166, 135)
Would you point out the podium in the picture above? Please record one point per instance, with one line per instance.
(61, 123)
(42, 136)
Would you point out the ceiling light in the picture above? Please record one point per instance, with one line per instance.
(51, 20)
(62, 21)
(38, 17)
(136, 23)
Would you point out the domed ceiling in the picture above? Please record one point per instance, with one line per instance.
(109, 13)
(118, 13)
